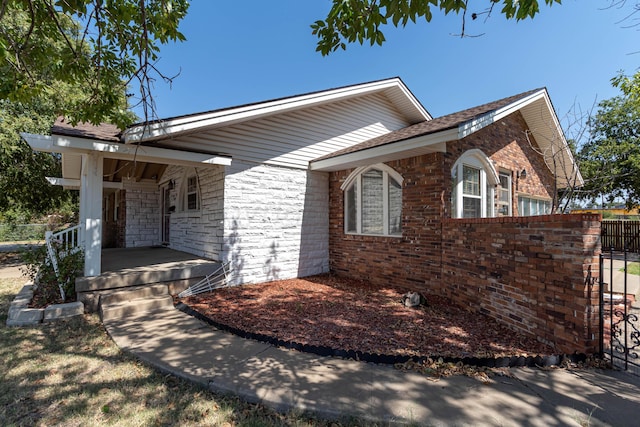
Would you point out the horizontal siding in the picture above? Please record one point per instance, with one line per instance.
(293, 139)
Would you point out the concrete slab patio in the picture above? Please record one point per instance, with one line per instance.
(179, 344)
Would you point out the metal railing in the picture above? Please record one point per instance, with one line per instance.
(218, 279)
(67, 242)
(619, 311)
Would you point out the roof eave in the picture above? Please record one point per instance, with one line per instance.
(561, 162)
(411, 107)
(430, 143)
(75, 145)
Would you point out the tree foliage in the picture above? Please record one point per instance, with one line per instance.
(610, 159)
(104, 47)
(46, 78)
(351, 21)
(23, 188)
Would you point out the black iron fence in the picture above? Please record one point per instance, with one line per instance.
(620, 309)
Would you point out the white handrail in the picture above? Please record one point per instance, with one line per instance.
(69, 239)
(69, 243)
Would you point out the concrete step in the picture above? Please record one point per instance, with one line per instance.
(135, 307)
(157, 273)
(138, 292)
(91, 299)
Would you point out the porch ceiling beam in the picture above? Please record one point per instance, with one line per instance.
(69, 144)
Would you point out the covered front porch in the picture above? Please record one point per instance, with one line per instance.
(142, 271)
(98, 164)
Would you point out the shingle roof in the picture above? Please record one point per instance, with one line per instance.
(439, 124)
(102, 132)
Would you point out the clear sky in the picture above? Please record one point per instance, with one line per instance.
(251, 51)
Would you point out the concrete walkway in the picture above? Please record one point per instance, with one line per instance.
(179, 344)
(613, 271)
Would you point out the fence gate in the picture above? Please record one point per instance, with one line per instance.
(620, 309)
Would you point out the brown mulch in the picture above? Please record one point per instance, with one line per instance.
(349, 314)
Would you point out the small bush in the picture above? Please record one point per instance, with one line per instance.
(41, 272)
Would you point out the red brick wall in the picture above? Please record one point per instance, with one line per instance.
(418, 260)
(412, 260)
(507, 146)
(122, 221)
(536, 274)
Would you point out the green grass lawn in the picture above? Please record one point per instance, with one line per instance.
(71, 373)
(633, 268)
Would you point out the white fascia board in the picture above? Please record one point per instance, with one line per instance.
(485, 120)
(65, 182)
(179, 125)
(67, 144)
(391, 151)
(74, 184)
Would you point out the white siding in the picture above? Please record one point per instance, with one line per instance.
(293, 139)
(276, 222)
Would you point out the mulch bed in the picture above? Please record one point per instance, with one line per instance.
(355, 318)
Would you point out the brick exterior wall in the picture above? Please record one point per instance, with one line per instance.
(536, 274)
(418, 259)
(121, 221)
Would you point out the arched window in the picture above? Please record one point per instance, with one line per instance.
(373, 201)
(473, 180)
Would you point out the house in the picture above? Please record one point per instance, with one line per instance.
(360, 180)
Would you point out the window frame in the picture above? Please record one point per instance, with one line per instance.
(353, 201)
(547, 203)
(477, 160)
(191, 190)
(500, 189)
(187, 190)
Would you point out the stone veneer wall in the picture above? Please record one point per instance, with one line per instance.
(198, 232)
(276, 222)
(536, 274)
(141, 224)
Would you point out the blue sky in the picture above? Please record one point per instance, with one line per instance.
(251, 51)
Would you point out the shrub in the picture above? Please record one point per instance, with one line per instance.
(41, 272)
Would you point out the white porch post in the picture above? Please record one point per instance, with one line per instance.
(91, 212)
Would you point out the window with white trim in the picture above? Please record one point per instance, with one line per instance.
(504, 200)
(529, 206)
(192, 193)
(373, 201)
(473, 181)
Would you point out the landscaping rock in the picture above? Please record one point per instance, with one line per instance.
(21, 315)
(412, 299)
(63, 311)
(25, 316)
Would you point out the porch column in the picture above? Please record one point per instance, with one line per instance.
(91, 212)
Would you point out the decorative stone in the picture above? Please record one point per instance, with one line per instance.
(63, 311)
(25, 316)
(412, 299)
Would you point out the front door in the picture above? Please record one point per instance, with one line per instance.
(166, 215)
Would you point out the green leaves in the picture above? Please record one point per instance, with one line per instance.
(610, 159)
(101, 46)
(349, 21)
